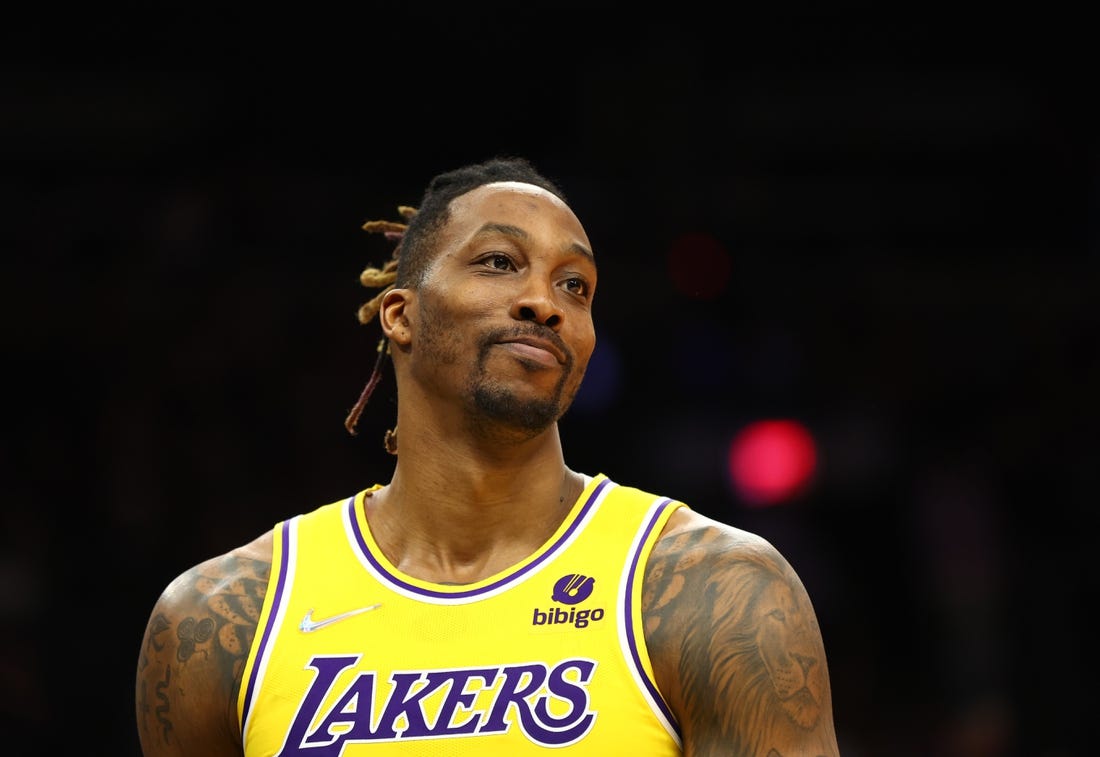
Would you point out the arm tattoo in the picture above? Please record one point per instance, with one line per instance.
(162, 709)
(751, 669)
(216, 608)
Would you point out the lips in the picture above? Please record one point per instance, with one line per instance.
(534, 353)
(536, 348)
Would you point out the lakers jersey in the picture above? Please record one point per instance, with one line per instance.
(353, 657)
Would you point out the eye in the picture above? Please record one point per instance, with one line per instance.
(499, 261)
(577, 285)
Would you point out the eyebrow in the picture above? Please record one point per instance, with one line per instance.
(516, 232)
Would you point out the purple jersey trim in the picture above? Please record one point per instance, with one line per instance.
(261, 651)
(510, 578)
(628, 615)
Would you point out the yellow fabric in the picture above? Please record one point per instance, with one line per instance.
(548, 654)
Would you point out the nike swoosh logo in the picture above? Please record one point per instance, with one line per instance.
(309, 625)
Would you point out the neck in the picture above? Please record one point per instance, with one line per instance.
(458, 512)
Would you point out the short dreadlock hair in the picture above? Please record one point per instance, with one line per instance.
(416, 246)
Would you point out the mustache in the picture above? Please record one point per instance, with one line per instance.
(534, 331)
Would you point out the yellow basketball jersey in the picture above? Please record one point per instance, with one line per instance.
(353, 657)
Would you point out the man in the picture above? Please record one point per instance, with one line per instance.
(487, 599)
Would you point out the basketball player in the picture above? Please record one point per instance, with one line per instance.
(487, 599)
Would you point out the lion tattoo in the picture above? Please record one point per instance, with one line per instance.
(765, 655)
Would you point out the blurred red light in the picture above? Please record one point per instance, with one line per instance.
(771, 461)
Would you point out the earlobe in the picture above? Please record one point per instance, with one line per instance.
(393, 318)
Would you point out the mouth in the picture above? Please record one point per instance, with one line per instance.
(536, 350)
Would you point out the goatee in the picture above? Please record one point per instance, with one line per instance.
(501, 406)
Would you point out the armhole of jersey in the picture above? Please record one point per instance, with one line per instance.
(631, 627)
(271, 618)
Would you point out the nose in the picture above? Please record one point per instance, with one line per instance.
(537, 303)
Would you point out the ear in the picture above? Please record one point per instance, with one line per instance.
(393, 316)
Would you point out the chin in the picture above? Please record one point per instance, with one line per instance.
(506, 408)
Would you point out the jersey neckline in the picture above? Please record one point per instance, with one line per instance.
(370, 555)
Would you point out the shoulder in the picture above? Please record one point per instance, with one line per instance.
(701, 568)
(691, 538)
(192, 657)
(226, 590)
(734, 640)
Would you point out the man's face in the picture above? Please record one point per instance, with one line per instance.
(503, 318)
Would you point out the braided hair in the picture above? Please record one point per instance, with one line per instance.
(414, 242)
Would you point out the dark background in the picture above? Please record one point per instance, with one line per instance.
(907, 202)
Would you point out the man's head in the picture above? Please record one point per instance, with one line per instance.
(488, 303)
(417, 245)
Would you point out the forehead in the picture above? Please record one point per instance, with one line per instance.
(512, 201)
(524, 213)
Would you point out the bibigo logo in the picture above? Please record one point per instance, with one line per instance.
(571, 589)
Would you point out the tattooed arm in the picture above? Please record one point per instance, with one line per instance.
(190, 666)
(735, 644)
